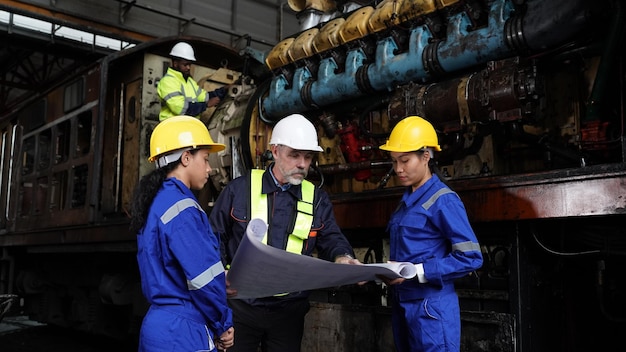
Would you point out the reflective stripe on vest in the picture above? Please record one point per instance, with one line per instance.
(190, 95)
(304, 208)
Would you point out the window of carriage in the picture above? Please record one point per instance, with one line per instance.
(74, 95)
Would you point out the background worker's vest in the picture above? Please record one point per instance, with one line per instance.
(304, 211)
(177, 93)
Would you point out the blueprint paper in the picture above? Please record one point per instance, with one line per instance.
(258, 270)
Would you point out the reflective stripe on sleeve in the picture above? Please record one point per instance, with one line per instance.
(429, 203)
(171, 95)
(467, 246)
(207, 276)
(178, 207)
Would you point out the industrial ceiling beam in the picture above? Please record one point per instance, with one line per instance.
(73, 21)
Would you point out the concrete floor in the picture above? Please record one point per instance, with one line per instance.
(19, 334)
(16, 323)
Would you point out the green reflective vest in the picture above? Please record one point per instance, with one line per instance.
(176, 93)
(304, 208)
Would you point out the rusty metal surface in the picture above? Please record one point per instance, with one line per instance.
(101, 234)
(590, 191)
(370, 209)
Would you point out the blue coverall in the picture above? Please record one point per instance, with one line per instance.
(430, 226)
(182, 275)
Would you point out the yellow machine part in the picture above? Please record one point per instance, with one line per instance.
(302, 47)
(320, 5)
(278, 56)
(355, 26)
(328, 36)
(339, 31)
(385, 15)
(412, 9)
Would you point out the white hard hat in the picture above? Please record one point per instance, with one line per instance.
(184, 51)
(296, 132)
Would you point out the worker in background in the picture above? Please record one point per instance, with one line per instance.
(301, 220)
(182, 275)
(179, 93)
(430, 229)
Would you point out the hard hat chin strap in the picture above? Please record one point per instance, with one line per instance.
(170, 158)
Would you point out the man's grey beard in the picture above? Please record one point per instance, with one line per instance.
(296, 181)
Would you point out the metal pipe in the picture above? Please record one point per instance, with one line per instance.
(349, 167)
(462, 49)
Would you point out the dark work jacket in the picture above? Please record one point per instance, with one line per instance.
(231, 214)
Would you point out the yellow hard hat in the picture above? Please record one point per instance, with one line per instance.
(180, 132)
(411, 134)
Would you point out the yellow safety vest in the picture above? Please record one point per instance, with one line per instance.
(177, 93)
(304, 208)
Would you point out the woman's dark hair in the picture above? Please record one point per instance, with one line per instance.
(146, 190)
(144, 194)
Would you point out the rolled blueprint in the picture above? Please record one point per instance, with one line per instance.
(256, 229)
(259, 270)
